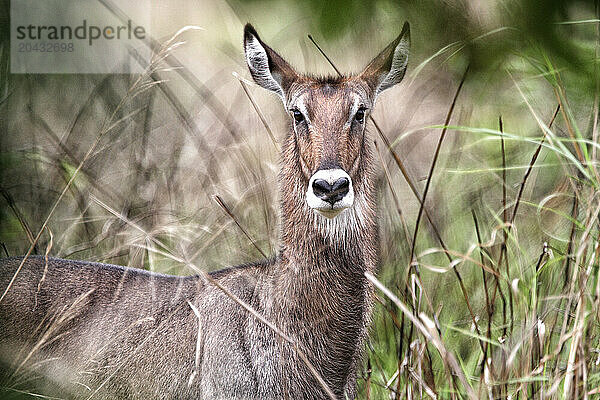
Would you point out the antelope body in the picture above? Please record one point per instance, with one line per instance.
(91, 330)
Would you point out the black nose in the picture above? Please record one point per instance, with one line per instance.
(331, 193)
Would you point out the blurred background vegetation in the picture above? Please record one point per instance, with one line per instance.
(180, 136)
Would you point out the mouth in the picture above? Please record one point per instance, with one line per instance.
(330, 212)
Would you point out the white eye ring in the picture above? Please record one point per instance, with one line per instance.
(360, 115)
(298, 117)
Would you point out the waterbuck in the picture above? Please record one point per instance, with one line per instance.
(289, 328)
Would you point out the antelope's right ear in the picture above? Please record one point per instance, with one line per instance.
(267, 68)
(389, 67)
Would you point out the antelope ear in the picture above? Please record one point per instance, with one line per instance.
(267, 68)
(388, 68)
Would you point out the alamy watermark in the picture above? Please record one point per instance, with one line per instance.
(79, 36)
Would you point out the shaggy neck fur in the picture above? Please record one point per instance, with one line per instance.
(321, 296)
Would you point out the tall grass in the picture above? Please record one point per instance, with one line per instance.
(488, 285)
(528, 254)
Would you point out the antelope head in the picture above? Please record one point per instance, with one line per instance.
(328, 116)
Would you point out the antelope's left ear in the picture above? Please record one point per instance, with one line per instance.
(267, 68)
(389, 67)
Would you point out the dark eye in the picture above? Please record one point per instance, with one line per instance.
(298, 117)
(360, 115)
